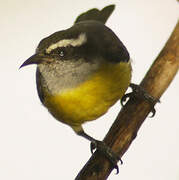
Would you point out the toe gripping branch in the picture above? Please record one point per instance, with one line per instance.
(107, 152)
(139, 93)
(103, 149)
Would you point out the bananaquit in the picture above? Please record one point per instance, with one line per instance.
(81, 72)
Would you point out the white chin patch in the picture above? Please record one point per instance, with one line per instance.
(81, 39)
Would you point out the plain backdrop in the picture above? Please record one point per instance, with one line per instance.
(33, 145)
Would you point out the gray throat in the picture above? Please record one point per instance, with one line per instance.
(62, 75)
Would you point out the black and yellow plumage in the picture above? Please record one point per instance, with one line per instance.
(82, 71)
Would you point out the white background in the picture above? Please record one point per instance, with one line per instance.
(33, 145)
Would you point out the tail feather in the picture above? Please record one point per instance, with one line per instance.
(96, 14)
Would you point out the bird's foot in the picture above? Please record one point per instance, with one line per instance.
(107, 152)
(139, 93)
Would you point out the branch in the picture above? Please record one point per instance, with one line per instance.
(133, 114)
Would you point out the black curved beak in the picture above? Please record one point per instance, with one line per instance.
(34, 59)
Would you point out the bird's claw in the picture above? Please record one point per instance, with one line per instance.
(124, 98)
(153, 111)
(139, 93)
(92, 147)
(105, 150)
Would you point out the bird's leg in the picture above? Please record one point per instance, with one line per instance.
(139, 93)
(102, 148)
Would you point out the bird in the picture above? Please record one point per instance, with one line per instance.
(81, 72)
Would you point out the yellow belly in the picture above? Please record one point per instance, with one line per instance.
(92, 98)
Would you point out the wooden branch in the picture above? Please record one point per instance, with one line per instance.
(131, 117)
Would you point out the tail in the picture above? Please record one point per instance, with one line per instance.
(96, 14)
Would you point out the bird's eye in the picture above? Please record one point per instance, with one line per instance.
(61, 53)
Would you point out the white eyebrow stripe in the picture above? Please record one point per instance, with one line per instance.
(67, 42)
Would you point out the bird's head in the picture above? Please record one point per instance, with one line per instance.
(86, 40)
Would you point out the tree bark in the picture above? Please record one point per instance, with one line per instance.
(133, 114)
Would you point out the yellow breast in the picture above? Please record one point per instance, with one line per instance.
(92, 98)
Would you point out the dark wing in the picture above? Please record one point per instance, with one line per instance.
(96, 14)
